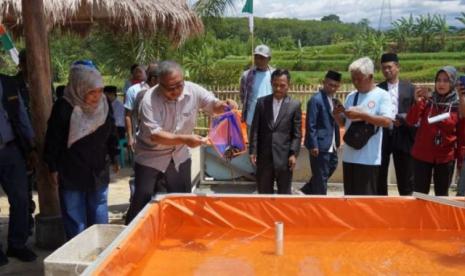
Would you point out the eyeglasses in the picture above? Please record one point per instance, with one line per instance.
(179, 85)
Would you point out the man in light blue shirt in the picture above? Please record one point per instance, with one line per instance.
(261, 87)
(130, 98)
(255, 83)
(373, 106)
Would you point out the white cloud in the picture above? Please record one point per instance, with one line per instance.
(354, 10)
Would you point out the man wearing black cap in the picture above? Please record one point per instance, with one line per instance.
(398, 138)
(322, 137)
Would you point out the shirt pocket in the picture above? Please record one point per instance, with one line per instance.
(187, 119)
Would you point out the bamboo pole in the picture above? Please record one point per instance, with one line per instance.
(253, 60)
(38, 62)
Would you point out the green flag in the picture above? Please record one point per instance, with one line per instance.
(8, 45)
(248, 8)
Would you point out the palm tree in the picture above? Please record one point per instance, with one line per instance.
(200, 60)
(213, 8)
(425, 29)
(442, 28)
(461, 18)
(200, 64)
(401, 31)
(370, 43)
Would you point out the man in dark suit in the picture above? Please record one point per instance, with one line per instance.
(398, 138)
(276, 136)
(322, 137)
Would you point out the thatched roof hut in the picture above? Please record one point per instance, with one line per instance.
(174, 18)
(37, 17)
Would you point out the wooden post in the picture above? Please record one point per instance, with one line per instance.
(38, 62)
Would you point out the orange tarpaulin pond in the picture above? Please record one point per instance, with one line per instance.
(235, 235)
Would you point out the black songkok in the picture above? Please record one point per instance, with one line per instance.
(336, 76)
(388, 57)
(110, 89)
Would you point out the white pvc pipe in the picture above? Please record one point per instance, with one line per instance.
(279, 238)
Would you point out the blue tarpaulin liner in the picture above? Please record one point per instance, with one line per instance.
(226, 135)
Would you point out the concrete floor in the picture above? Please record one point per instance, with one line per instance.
(118, 204)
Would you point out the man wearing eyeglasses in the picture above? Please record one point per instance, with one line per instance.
(168, 114)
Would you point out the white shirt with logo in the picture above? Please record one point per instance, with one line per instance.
(376, 102)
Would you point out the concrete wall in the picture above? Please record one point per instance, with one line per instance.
(303, 172)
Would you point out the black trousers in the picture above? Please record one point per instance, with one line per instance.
(403, 164)
(149, 181)
(121, 132)
(442, 177)
(323, 167)
(13, 178)
(267, 174)
(360, 179)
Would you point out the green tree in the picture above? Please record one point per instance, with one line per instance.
(331, 17)
(213, 8)
(337, 38)
(370, 43)
(310, 32)
(403, 29)
(461, 18)
(199, 64)
(299, 57)
(286, 43)
(442, 28)
(425, 29)
(364, 23)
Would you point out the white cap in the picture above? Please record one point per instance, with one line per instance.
(263, 50)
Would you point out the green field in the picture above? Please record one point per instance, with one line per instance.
(309, 66)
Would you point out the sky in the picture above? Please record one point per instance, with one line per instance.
(354, 10)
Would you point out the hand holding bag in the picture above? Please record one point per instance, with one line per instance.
(359, 133)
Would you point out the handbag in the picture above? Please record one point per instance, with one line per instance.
(359, 133)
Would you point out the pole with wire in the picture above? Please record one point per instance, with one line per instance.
(252, 42)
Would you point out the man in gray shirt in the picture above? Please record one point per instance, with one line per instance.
(168, 114)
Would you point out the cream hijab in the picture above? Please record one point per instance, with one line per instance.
(85, 119)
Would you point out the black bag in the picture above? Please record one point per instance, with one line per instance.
(359, 133)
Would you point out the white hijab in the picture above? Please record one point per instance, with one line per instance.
(85, 119)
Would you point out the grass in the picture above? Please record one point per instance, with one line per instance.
(314, 77)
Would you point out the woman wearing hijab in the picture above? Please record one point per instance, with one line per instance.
(80, 143)
(438, 137)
